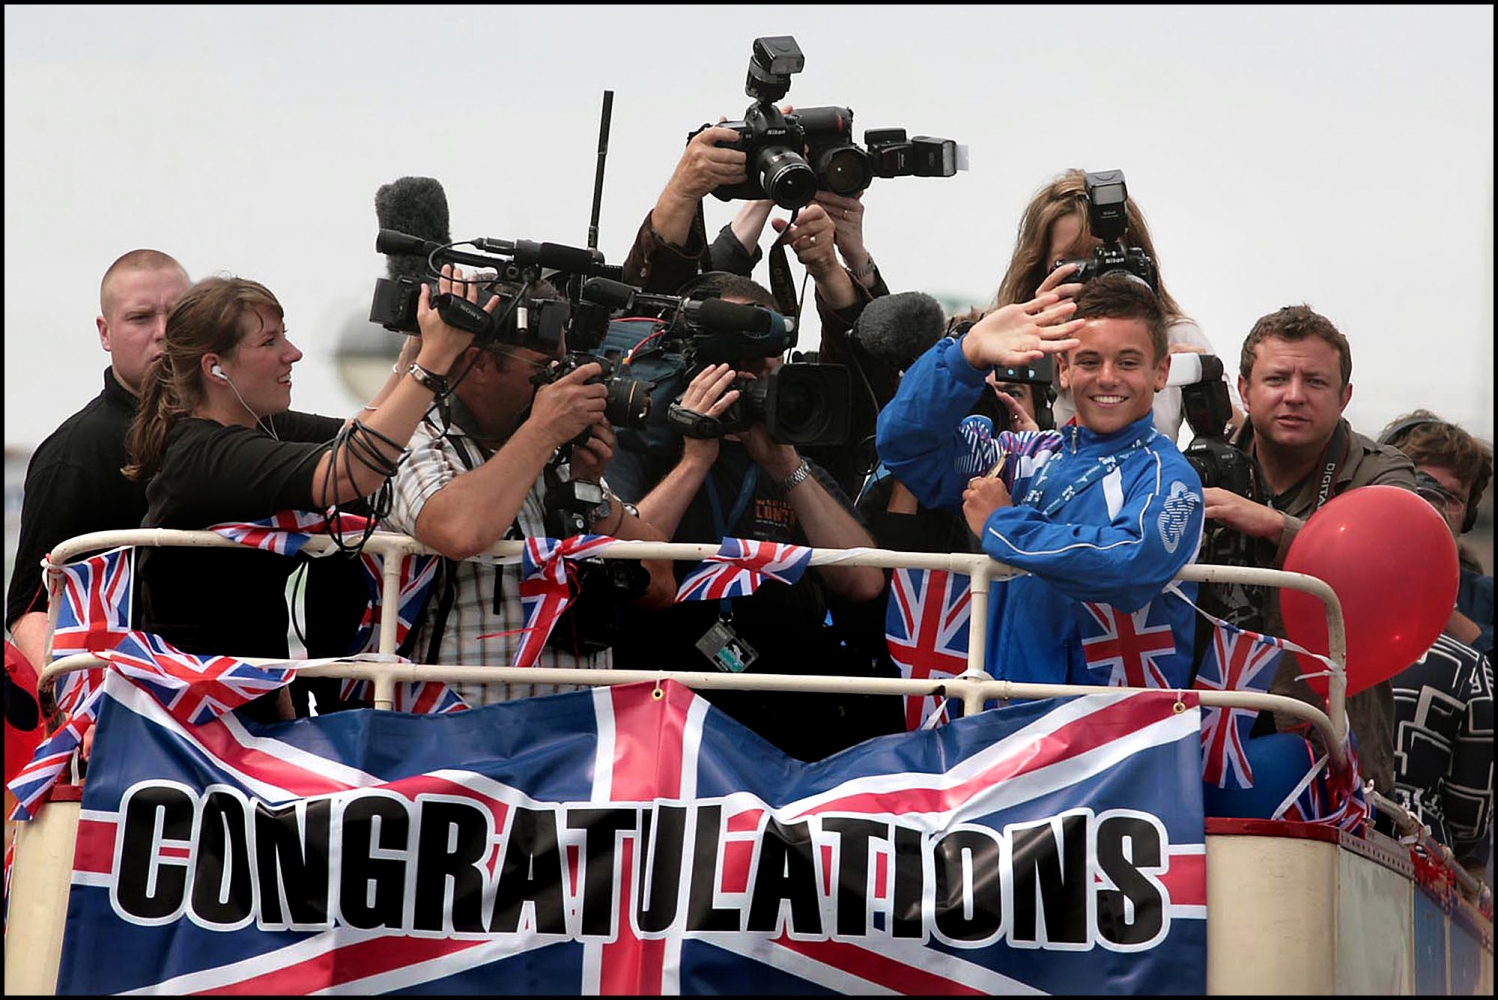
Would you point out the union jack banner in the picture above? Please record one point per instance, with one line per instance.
(547, 586)
(636, 840)
(1124, 646)
(288, 531)
(1237, 660)
(926, 629)
(740, 566)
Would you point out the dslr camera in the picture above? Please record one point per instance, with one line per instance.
(1107, 216)
(1207, 409)
(628, 402)
(790, 157)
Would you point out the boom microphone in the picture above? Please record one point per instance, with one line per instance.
(555, 256)
(416, 206)
(896, 329)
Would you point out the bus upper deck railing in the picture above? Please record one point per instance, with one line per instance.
(974, 686)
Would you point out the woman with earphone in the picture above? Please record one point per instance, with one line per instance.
(217, 440)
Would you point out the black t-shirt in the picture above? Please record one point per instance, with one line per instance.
(784, 625)
(227, 601)
(74, 486)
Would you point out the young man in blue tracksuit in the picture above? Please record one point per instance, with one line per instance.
(1103, 512)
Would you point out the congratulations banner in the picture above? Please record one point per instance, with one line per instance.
(636, 840)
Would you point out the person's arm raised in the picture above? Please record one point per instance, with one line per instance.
(393, 422)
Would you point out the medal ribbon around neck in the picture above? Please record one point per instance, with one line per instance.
(1104, 465)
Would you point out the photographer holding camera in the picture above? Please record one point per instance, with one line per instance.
(1294, 377)
(746, 484)
(490, 468)
(1060, 236)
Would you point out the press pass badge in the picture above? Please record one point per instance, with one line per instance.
(726, 649)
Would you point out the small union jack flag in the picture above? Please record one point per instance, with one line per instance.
(1237, 660)
(1127, 647)
(287, 531)
(547, 585)
(926, 629)
(416, 575)
(32, 783)
(740, 566)
(1325, 799)
(195, 689)
(93, 615)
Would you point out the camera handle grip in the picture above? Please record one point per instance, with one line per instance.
(690, 423)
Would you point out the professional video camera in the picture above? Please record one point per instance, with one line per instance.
(1107, 216)
(778, 146)
(519, 320)
(800, 404)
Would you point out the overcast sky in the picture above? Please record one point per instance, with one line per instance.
(1341, 157)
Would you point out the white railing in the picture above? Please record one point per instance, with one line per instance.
(974, 686)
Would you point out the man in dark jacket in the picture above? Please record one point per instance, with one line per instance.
(1295, 379)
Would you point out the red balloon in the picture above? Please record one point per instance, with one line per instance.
(1392, 561)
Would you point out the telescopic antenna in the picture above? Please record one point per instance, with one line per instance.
(603, 152)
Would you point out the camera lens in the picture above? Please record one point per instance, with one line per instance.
(844, 170)
(786, 177)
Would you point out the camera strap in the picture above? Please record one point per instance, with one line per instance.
(782, 284)
(1339, 446)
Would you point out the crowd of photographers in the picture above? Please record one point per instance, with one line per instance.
(1041, 430)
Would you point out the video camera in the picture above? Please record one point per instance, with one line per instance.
(1107, 216)
(790, 157)
(800, 404)
(520, 320)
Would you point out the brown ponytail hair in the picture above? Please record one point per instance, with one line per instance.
(1067, 195)
(206, 320)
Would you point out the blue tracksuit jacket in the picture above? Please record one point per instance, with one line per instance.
(1093, 610)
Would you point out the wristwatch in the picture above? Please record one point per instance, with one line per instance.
(604, 508)
(866, 272)
(795, 478)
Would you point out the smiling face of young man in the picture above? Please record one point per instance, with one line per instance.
(1114, 375)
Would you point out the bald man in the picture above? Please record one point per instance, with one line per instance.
(73, 482)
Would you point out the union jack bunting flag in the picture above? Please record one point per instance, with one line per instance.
(740, 566)
(1326, 799)
(287, 531)
(1124, 647)
(547, 586)
(193, 688)
(93, 614)
(1237, 660)
(32, 783)
(636, 840)
(926, 629)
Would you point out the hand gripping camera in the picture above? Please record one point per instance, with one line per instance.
(1107, 216)
(790, 157)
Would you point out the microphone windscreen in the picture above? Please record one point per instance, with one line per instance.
(416, 206)
(896, 329)
(715, 314)
(614, 294)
